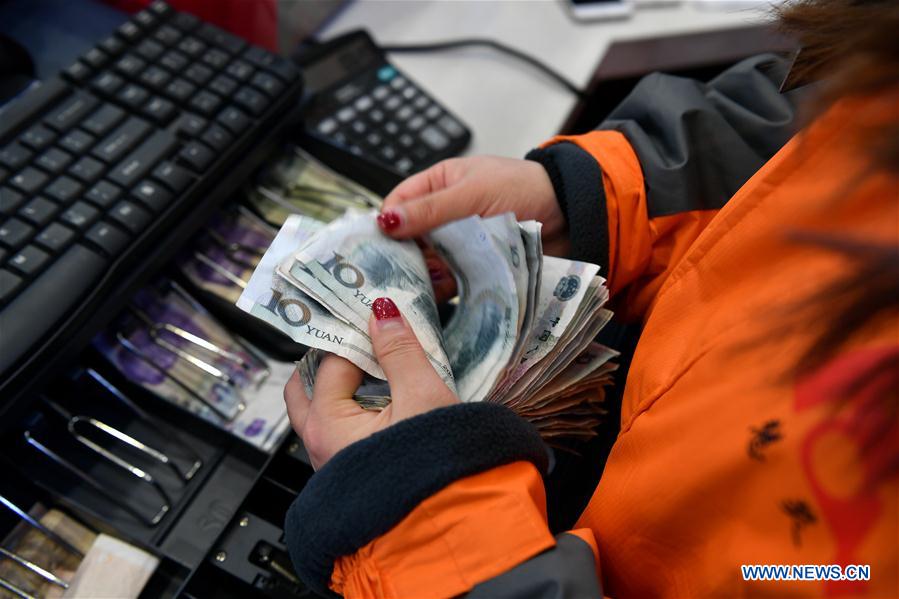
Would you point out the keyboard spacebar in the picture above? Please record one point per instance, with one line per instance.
(46, 301)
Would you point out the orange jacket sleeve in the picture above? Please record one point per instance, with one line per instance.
(638, 192)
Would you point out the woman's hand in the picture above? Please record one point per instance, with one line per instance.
(482, 185)
(332, 420)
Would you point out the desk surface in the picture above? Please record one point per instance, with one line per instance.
(509, 106)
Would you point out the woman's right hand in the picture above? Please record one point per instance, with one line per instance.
(482, 185)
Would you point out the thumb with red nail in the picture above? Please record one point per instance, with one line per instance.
(332, 420)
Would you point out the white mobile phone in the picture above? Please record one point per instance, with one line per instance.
(595, 10)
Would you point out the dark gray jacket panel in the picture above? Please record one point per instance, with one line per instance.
(567, 571)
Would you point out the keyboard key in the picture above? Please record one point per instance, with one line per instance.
(327, 126)
(131, 217)
(95, 58)
(435, 139)
(9, 283)
(198, 74)
(180, 90)
(160, 110)
(103, 120)
(217, 37)
(433, 112)
(172, 176)
(38, 137)
(63, 190)
(234, 119)
(406, 140)
(153, 196)
(55, 237)
(145, 19)
(54, 160)
(380, 92)
(416, 123)
(167, 35)
(71, 112)
(80, 215)
(126, 136)
(421, 102)
(393, 103)
(190, 125)
(217, 138)
(38, 211)
(451, 126)
(155, 77)
(184, 21)
(174, 61)
(196, 156)
(404, 113)
(215, 58)
(15, 156)
(133, 96)
(108, 238)
(391, 128)
(191, 46)
(160, 8)
(143, 159)
(112, 45)
(76, 271)
(362, 104)
(259, 57)
(13, 233)
(29, 180)
(150, 50)
(398, 83)
(252, 100)
(223, 85)
(344, 115)
(404, 165)
(359, 128)
(10, 200)
(206, 103)
(87, 169)
(272, 86)
(107, 84)
(129, 31)
(78, 72)
(103, 194)
(130, 65)
(239, 70)
(29, 261)
(373, 139)
(389, 153)
(31, 103)
(283, 69)
(77, 142)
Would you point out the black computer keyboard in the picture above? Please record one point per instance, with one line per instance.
(94, 161)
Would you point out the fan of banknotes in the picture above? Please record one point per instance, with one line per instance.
(521, 333)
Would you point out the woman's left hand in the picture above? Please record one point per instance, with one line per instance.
(332, 420)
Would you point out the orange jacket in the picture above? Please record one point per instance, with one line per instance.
(724, 457)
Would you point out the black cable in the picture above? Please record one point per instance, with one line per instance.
(488, 43)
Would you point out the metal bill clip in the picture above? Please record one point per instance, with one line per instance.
(197, 463)
(29, 565)
(259, 361)
(94, 483)
(124, 342)
(35, 524)
(18, 592)
(219, 270)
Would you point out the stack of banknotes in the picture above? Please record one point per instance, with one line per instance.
(521, 333)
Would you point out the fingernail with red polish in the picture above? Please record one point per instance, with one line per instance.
(389, 220)
(385, 309)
